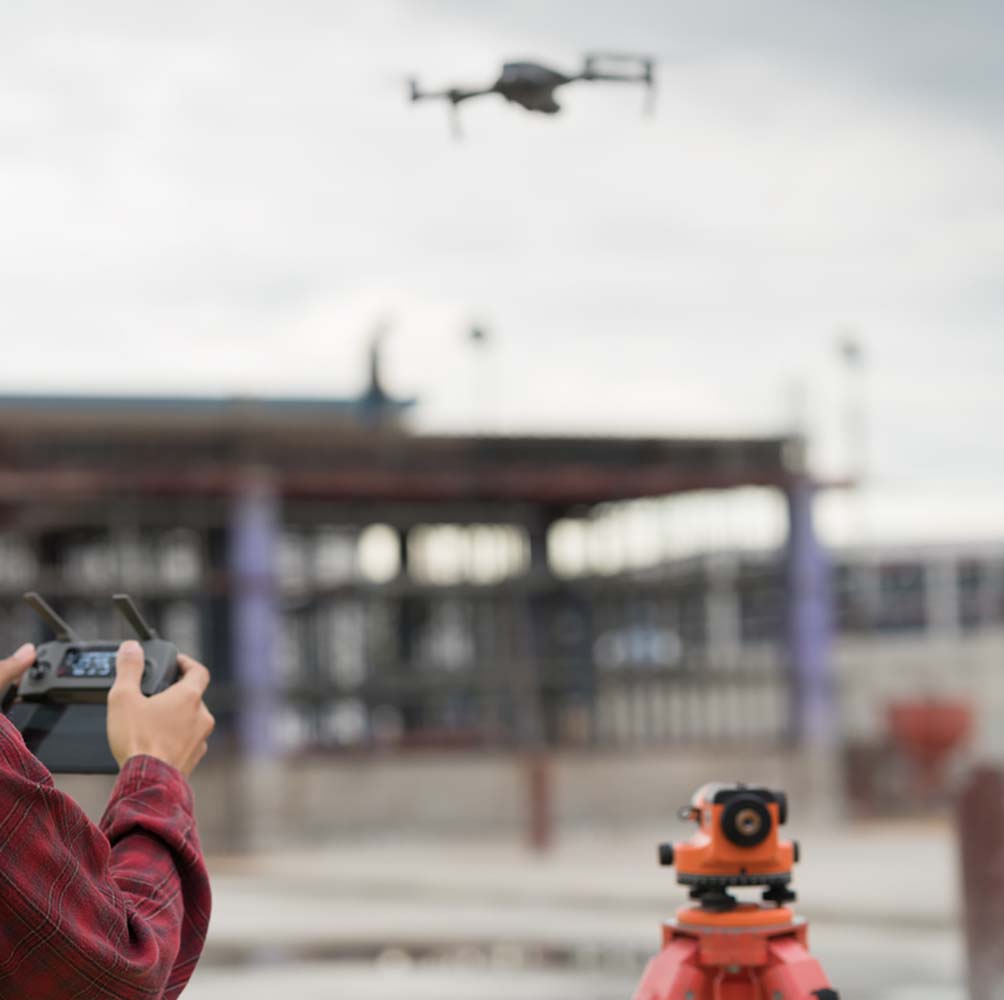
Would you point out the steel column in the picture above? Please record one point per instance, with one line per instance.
(809, 623)
(535, 715)
(254, 611)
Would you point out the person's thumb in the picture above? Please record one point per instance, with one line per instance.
(12, 669)
(128, 668)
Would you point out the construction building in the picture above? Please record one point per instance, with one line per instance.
(237, 525)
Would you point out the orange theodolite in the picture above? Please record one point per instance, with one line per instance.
(719, 948)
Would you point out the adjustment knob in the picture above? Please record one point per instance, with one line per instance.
(39, 670)
(666, 854)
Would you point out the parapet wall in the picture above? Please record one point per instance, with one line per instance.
(316, 799)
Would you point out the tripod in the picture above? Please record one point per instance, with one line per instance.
(752, 952)
(718, 948)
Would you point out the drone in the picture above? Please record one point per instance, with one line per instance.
(532, 85)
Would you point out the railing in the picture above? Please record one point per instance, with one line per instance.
(617, 662)
(690, 653)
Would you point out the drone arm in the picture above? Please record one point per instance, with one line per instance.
(454, 95)
(615, 77)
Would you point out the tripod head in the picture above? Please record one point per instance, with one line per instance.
(737, 843)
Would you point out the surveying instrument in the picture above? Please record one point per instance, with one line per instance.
(719, 948)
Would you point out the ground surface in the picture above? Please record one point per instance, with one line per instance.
(485, 920)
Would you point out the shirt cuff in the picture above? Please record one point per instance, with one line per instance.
(141, 771)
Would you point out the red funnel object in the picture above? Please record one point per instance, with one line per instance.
(927, 731)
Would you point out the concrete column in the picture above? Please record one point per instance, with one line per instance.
(537, 535)
(979, 819)
(254, 611)
(533, 711)
(809, 631)
(532, 714)
(412, 616)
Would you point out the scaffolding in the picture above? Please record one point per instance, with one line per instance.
(238, 524)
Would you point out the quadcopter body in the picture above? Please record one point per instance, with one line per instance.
(532, 85)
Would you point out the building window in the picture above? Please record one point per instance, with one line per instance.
(973, 583)
(902, 597)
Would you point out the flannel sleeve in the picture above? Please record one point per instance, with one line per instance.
(116, 913)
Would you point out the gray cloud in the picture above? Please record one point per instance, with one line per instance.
(245, 188)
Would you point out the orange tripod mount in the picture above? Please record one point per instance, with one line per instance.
(719, 948)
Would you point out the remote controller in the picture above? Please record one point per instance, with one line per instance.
(72, 670)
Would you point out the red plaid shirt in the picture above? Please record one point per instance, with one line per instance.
(116, 913)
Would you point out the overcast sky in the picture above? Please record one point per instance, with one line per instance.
(218, 197)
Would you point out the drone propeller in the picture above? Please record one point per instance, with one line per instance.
(455, 128)
(648, 78)
(593, 61)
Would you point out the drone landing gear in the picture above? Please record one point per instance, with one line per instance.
(751, 952)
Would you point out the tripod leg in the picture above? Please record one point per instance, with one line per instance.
(794, 974)
(674, 974)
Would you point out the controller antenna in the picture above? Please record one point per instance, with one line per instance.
(129, 611)
(64, 633)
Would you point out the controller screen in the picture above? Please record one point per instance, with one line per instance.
(89, 663)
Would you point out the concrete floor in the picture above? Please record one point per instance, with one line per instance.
(899, 967)
(372, 921)
(892, 966)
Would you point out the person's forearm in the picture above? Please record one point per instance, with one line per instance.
(120, 914)
(150, 816)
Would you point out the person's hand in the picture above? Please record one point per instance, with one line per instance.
(13, 668)
(172, 726)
